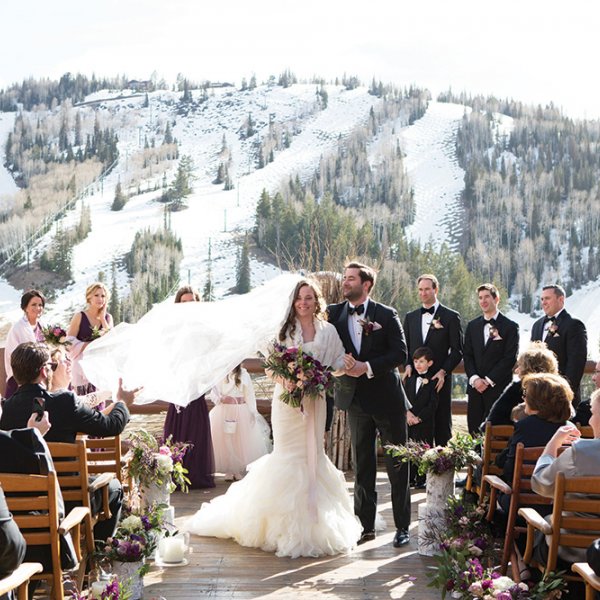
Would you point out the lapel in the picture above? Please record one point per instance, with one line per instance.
(367, 340)
(481, 328)
(343, 331)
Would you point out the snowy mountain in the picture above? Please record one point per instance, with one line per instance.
(218, 217)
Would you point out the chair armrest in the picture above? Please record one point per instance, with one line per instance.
(74, 518)
(100, 481)
(536, 520)
(19, 576)
(497, 483)
(587, 573)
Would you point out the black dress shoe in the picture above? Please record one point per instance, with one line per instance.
(367, 536)
(401, 538)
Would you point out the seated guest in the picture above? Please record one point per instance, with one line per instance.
(535, 359)
(584, 412)
(25, 451)
(548, 400)
(580, 460)
(32, 370)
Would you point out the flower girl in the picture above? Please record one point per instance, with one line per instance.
(240, 434)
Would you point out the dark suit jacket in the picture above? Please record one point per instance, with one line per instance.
(502, 408)
(530, 431)
(569, 345)
(425, 401)
(67, 415)
(384, 349)
(497, 358)
(446, 342)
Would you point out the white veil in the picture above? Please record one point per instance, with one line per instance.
(179, 351)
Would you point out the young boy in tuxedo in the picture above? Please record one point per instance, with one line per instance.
(421, 393)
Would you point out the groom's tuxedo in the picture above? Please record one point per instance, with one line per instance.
(375, 404)
(569, 343)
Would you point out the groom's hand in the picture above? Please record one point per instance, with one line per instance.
(359, 368)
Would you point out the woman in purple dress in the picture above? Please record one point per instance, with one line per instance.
(191, 424)
(85, 327)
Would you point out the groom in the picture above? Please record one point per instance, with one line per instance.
(371, 393)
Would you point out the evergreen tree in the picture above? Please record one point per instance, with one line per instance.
(242, 270)
(119, 199)
(114, 306)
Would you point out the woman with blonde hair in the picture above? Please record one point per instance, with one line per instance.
(86, 326)
(536, 358)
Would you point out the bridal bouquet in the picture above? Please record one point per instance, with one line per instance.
(310, 377)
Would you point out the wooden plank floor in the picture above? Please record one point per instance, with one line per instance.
(223, 569)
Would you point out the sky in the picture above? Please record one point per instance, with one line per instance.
(535, 51)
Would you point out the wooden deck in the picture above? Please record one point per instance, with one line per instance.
(223, 569)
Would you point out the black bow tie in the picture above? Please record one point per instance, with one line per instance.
(359, 310)
(548, 319)
(429, 310)
(491, 322)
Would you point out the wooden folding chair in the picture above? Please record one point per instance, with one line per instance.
(496, 438)
(104, 455)
(591, 580)
(575, 520)
(18, 580)
(33, 501)
(586, 431)
(70, 462)
(521, 494)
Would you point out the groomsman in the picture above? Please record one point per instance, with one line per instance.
(490, 353)
(438, 327)
(371, 393)
(564, 335)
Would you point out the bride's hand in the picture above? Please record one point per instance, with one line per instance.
(290, 386)
(349, 361)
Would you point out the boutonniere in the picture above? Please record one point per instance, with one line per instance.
(553, 330)
(424, 380)
(436, 324)
(369, 326)
(494, 335)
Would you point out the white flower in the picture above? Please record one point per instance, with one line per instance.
(431, 454)
(475, 550)
(131, 523)
(164, 463)
(502, 583)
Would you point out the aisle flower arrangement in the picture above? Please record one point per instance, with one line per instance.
(310, 377)
(154, 462)
(456, 455)
(463, 568)
(135, 538)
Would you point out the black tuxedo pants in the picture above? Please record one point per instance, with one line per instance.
(363, 431)
(442, 426)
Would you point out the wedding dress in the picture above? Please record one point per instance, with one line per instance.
(292, 502)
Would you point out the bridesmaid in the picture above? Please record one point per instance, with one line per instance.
(27, 329)
(85, 327)
(191, 424)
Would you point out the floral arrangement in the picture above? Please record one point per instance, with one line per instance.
(135, 538)
(96, 333)
(116, 590)
(436, 324)
(55, 335)
(553, 330)
(309, 376)
(154, 462)
(467, 545)
(459, 453)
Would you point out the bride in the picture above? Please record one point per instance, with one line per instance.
(292, 502)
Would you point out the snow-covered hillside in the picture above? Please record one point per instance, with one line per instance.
(218, 217)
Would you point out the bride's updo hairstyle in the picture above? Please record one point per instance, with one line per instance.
(289, 326)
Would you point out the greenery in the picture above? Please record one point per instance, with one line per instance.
(456, 455)
(156, 462)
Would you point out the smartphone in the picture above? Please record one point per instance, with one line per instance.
(39, 406)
